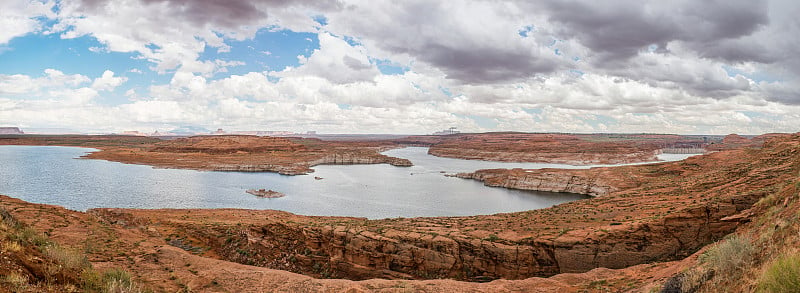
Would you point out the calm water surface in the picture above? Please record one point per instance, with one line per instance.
(52, 175)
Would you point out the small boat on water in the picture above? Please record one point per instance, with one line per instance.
(318, 178)
(265, 193)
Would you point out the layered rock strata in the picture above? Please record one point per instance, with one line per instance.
(552, 180)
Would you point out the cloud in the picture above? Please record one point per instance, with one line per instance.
(336, 61)
(18, 17)
(546, 65)
(19, 84)
(108, 82)
(618, 29)
(475, 41)
(193, 25)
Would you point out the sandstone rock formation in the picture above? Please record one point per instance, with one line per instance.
(554, 180)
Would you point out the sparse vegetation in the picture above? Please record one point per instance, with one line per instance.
(63, 269)
(16, 281)
(729, 257)
(782, 276)
(111, 281)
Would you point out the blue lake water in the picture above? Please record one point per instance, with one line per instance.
(53, 175)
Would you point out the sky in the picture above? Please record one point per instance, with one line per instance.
(405, 67)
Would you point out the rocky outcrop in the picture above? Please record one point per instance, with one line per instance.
(355, 158)
(571, 181)
(305, 167)
(291, 169)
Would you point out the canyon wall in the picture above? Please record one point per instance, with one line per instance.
(357, 252)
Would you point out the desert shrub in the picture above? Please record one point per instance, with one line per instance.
(728, 257)
(67, 259)
(782, 276)
(693, 278)
(15, 281)
(12, 246)
(122, 287)
(118, 276)
(28, 235)
(8, 219)
(91, 280)
(111, 281)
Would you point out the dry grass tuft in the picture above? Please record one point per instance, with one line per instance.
(728, 258)
(782, 275)
(16, 281)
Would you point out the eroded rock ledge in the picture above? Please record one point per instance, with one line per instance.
(586, 182)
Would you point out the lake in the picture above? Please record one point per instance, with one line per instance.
(53, 175)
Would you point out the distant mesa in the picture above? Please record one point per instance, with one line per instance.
(10, 130)
(263, 133)
(197, 131)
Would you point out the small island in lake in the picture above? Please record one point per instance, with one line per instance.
(265, 193)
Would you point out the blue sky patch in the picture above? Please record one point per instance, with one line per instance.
(269, 50)
(33, 53)
(321, 19)
(446, 91)
(526, 31)
(387, 67)
(757, 76)
(483, 121)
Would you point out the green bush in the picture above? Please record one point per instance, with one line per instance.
(782, 276)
